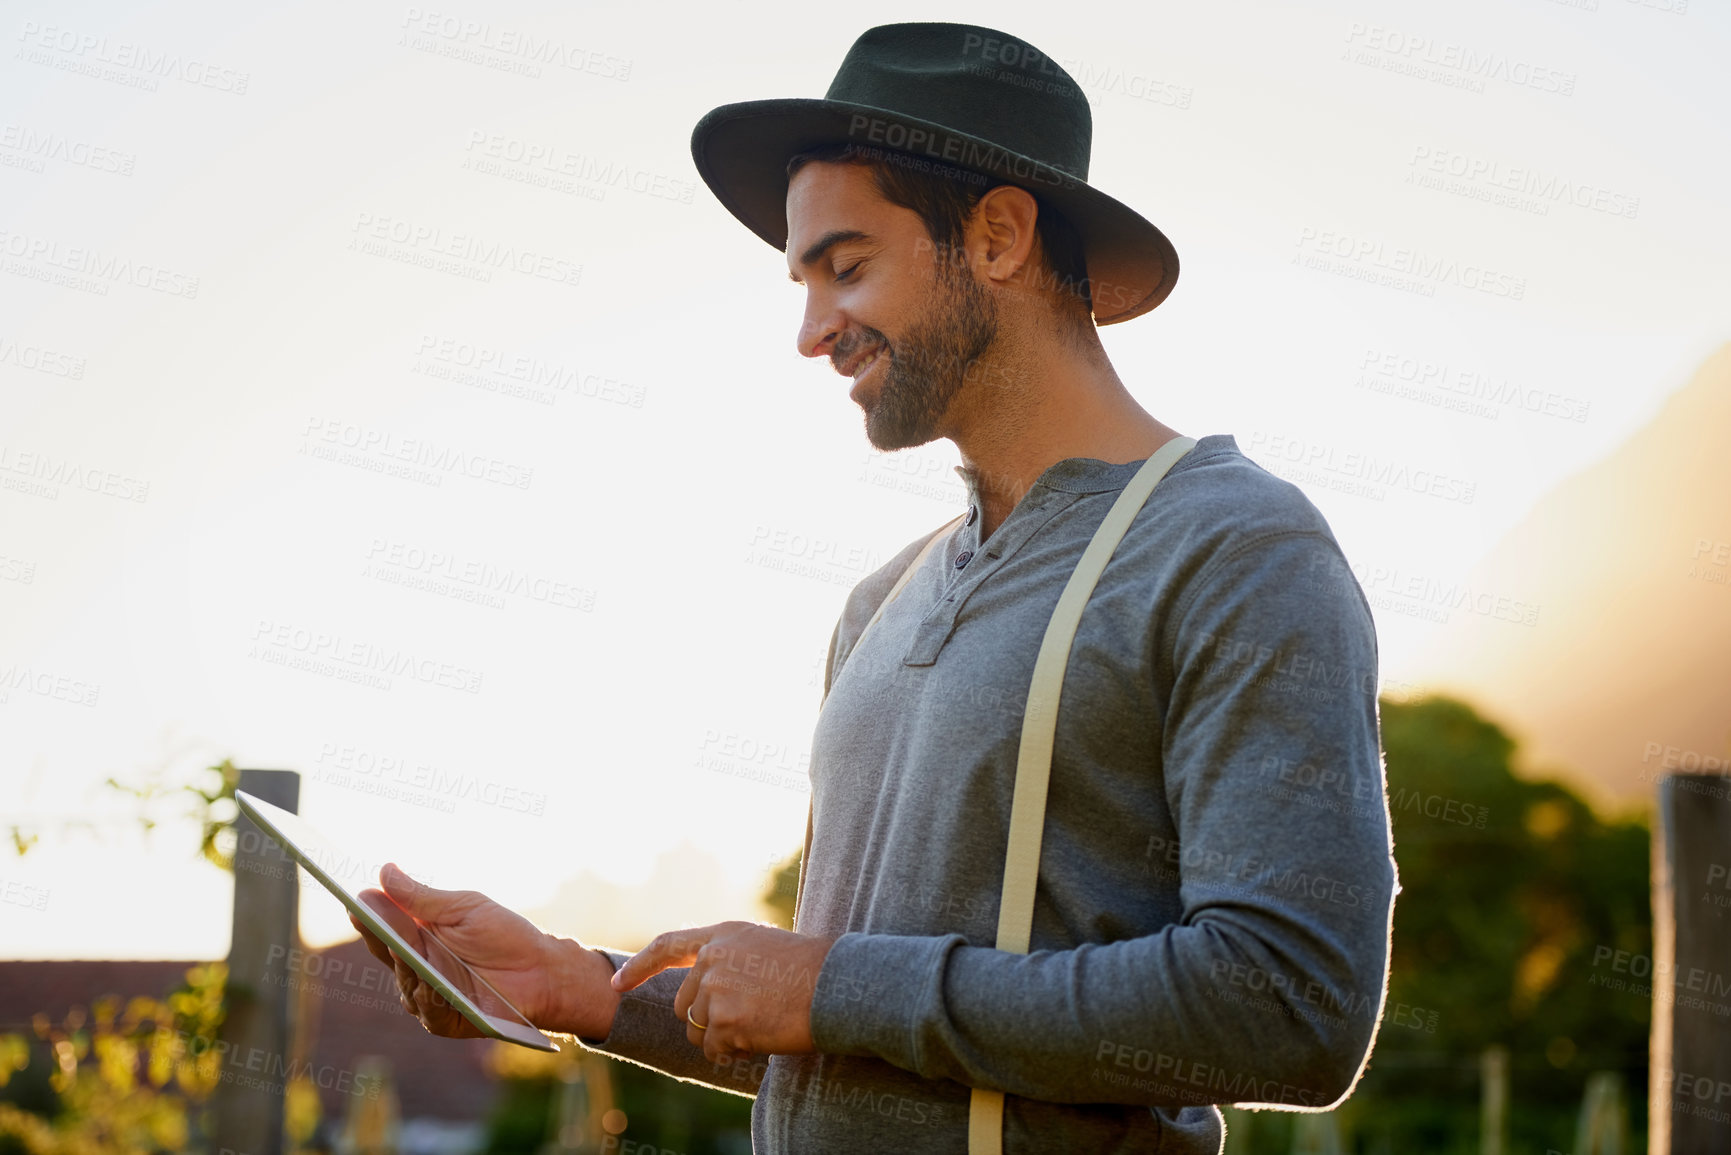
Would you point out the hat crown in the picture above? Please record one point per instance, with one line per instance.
(978, 81)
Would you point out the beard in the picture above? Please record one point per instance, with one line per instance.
(931, 363)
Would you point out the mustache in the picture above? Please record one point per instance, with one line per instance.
(852, 342)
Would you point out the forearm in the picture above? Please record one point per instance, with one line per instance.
(1180, 1017)
(646, 1031)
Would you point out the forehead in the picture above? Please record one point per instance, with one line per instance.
(825, 197)
(826, 184)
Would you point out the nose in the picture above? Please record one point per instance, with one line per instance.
(821, 326)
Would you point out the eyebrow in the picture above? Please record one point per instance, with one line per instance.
(823, 245)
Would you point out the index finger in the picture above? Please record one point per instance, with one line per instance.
(676, 948)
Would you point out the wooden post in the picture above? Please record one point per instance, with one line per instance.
(1316, 1134)
(582, 1100)
(1689, 1092)
(1494, 1101)
(1603, 1126)
(374, 1125)
(255, 1046)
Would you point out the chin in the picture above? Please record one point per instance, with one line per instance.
(890, 440)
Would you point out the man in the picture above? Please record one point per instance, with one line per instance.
(1210, 921)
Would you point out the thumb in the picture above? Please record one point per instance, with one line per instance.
(424, 902)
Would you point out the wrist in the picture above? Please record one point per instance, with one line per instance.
(581, 998)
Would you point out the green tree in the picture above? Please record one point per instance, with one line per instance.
(1514, 894)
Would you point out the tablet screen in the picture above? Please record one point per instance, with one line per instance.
(345, 876)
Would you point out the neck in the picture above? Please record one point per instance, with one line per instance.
(1061, 399)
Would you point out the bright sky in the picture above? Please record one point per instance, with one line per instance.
(219, 323)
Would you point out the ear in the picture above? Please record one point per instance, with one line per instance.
(1004, 239)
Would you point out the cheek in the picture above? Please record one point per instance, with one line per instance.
(895, 300)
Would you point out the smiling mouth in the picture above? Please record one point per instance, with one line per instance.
(870, 360)
(860, 372)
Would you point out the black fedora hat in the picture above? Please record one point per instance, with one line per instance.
(955, 96)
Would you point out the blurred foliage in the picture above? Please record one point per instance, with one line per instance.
(114, 1078)
(209, 801)
(782, 891)
(658, 1113)
(1510, 889)
(652, 1111)
(126, 1080)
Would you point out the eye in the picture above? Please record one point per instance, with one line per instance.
(848, 272)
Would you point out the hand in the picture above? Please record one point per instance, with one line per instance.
(750, 985)
(556, 983)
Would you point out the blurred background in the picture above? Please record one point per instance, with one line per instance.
(384, 398)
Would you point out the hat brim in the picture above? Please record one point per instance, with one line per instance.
(741, 151)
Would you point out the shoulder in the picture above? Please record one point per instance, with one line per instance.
(1218, 512)
(1218, 489)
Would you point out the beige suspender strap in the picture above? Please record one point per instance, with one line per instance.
(1034, 760)
(1040, 722)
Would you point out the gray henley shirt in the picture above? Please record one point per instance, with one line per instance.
(1216, 880)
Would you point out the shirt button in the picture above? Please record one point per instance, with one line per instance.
(973, 514)
(964, 557)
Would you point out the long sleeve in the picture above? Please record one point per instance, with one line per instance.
(1269, 986)
(646, 1031)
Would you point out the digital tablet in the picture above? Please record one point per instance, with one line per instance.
(491, 1012)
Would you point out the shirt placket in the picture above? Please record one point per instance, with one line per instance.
(969, 562)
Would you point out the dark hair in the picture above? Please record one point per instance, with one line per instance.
(944, 198)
